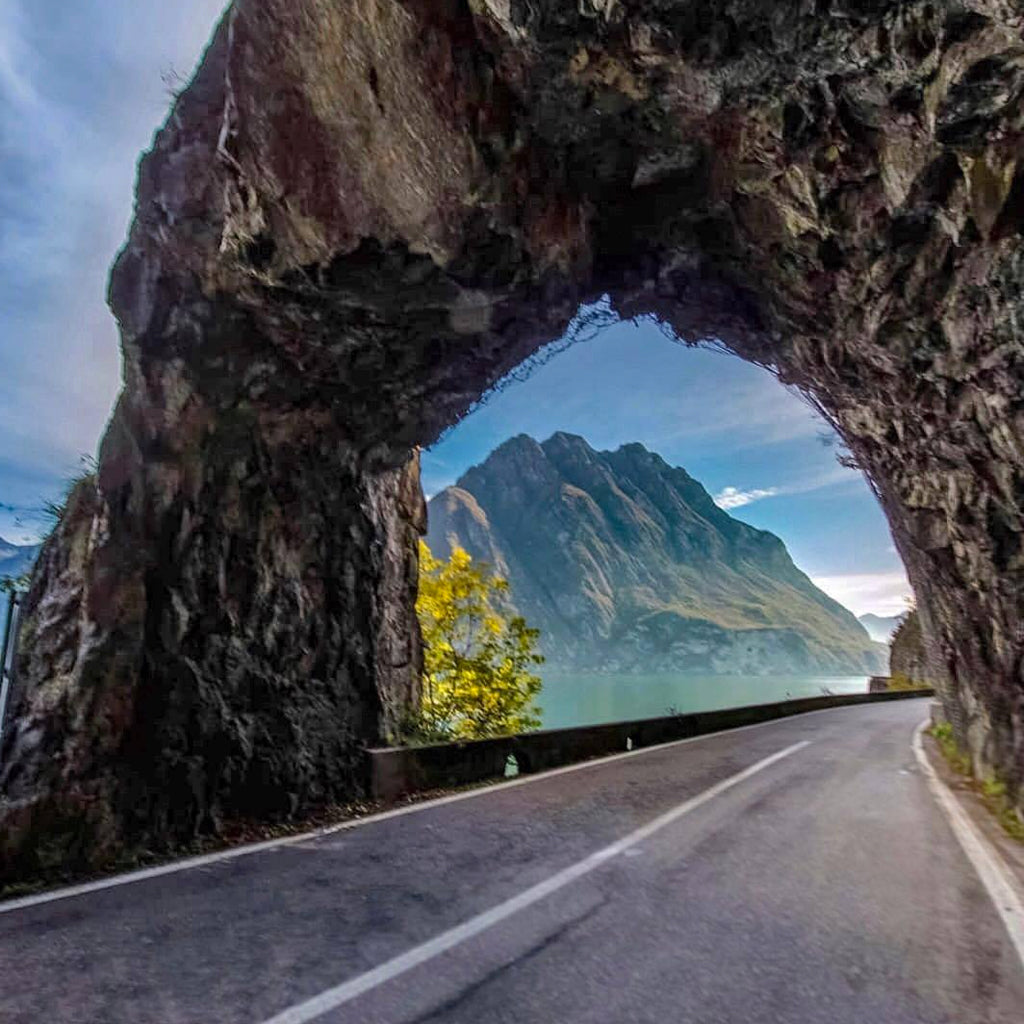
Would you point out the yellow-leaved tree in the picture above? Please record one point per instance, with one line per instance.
(478, 678)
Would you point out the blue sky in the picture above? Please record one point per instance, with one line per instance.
(82, 90)
(83, 86)
(760, 450)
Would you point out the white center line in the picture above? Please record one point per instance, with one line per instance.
(332, 998)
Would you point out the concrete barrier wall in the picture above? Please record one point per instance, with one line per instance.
(393, 772)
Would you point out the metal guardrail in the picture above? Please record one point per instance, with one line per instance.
(9, 654)
(393, 772)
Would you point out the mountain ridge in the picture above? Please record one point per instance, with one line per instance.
(626, 563)
(16, 559)
(880, 627)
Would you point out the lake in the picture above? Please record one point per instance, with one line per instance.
(590, 698)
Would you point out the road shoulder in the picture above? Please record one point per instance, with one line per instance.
(998, 860)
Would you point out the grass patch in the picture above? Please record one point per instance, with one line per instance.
(993, 791)
(957, 758)
(898, 681)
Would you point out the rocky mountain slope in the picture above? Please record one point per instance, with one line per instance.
(16, 559)
(626, 564)
(880, 627)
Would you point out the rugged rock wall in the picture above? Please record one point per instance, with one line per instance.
(908, 659)
(361, 213)
(233, 671)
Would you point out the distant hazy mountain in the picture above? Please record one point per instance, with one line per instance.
(16, 558)
(626, 564)
(880, 627)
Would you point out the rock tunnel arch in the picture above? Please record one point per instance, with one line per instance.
(358, 216)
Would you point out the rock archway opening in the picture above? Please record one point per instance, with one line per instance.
(359, 217)
(600, 479)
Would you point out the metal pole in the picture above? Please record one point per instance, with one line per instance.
(6, 673)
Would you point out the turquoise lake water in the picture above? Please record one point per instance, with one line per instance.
(589, 698)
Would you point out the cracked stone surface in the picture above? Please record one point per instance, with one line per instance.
(359, 216)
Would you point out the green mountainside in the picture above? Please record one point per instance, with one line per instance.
(626, 564)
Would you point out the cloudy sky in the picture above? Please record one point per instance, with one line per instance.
(82, 88)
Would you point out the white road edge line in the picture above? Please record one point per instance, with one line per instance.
(979, 850)
(332, 998)
(186, 864)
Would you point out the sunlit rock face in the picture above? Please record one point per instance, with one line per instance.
(360, 215)
(908, 659)
(625, 564)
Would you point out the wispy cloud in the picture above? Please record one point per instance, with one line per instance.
(884, 593)
(751, 408)
(733, 497)
(737, 497)
(661, 396)
(80, 96)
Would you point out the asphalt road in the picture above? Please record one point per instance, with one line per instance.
(824, 885)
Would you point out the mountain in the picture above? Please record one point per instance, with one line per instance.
(16, 559)
(880, 627)
(626, 564)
